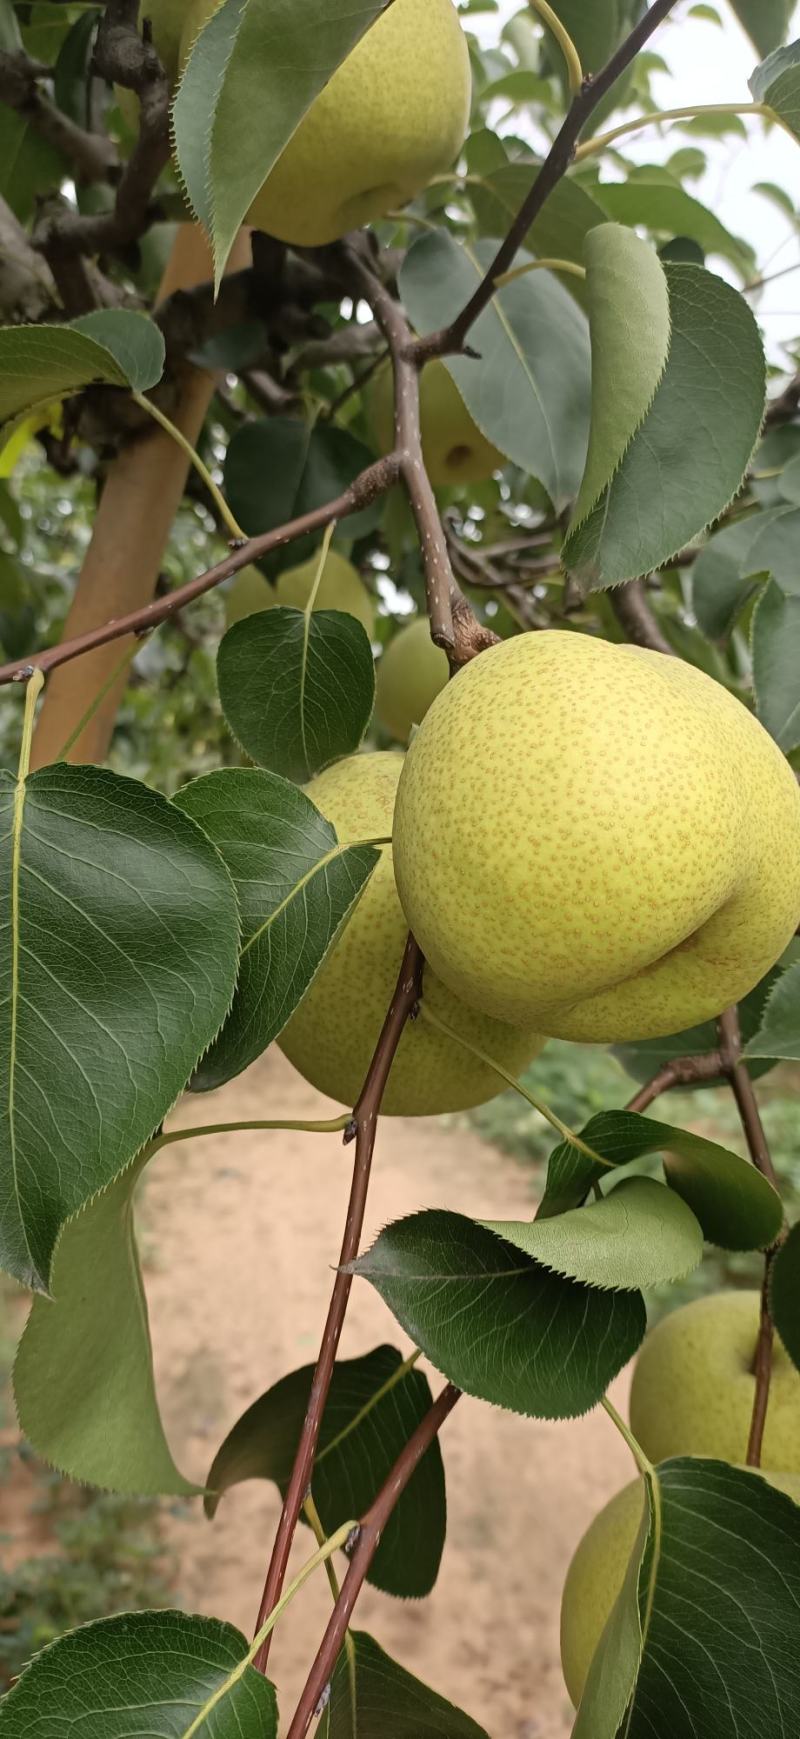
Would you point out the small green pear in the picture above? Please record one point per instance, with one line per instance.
(693, 1385)
(409, 677)
(332, 1035)
(453, 447)
(340, 588)
(597, 1572)
(597, 841)
(394, 115)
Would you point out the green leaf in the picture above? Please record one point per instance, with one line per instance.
(643, 1057)
(72, 66)
(629, 324)
(776, 665)
(595, 27)
(529, 392)
(665, 208)
(785, 1293)
(639, 1235)
(297, 687)
(10, 38)
(774, 548)
(134, 340)
(766, 21)
(789, 481)
(777, 82)
(373, 1697)
(735, 1205)
(723, 575)
(29, 166)
(296, 886)
(250, 60)
(779, 1032)
(376, 1403)
(114, 346)
(118, 960)
(561, 228)
(495, 1322)
(83, 1379)
(144, 1675)
(694, 446)
(10, 516)
(280, 468)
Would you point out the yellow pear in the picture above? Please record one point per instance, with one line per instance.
(341, 588)
(597, 1572)
(597, 841)
(410, 675)
(693, 1385)
(453, 447)
(332, 1035)
(394, 115)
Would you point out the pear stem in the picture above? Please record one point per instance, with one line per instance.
(565, 43)
(644, 1465)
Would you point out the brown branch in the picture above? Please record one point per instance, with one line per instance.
(369, 1536)
(92, 155)
(630, 606)
(451, 338)
(762, 1370)
(363, 1129)
(680, 1072)
(27, 291)
(364, 489)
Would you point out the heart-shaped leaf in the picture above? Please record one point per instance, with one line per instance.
(297, 687)
(779, 1032)
(735, 1205)
(376, 1402)
(776, 665)
(373, 1697)
(498, 1324)
(279, 468)
(145, 1675)
(296, 886)
(785, 1294)
(118, 960)
(639, 1235)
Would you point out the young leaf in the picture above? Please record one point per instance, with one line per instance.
(118, 961)
(639, 1235)
(114, 346)
(777, 82)
(778, 1035)
(144, 1675)
(498, 1324)
(785, 1294)
(373, 1697)
(279, 468)
(83, 1378)
(629, 324)
(776, 665)
(528, 391)
(376, 1402)
(296, 885)
(249, 59)
(691, 452)
(297, 687)
(737, 1208)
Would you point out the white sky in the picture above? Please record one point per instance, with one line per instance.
(712, 65)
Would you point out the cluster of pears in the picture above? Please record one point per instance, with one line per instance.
(692, 1394)
(394, 114)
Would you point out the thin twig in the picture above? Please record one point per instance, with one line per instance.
(633, 613)
(92, 155)
(369, 1536)
(364, 1128)
(680, 1072)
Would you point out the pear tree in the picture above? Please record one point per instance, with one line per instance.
(400, 624)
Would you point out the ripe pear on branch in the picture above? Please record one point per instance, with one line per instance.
(394, 114)
(453, 447)
(597, 841)
(410, 674)
(340, 588)
(332, 1035)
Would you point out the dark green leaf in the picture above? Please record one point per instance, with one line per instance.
(529, 392)
(375, 1405)
(297, 688)
(664, 207)
(374, 1698)
(561, 228)
(280, 468)
(723, 575)
(10, 515)
(695, 444)
(776, 665)
(117, 975)
(777, 82)
(766, 21)
(29, 166)
(594, 26)
(643, 1057)
(145, 1675)
(774, 549)
(72, 66)
(639, 1235)
(785, 1292)
(735, 1205)
(134, 340)
(83, 1377)
(13, 590)
(779, 1032)
(498, 1324)
(38, 363)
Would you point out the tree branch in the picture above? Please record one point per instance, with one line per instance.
(92, 155)
(363, 1128)
(27, 291)
(680, 1072)
(630, 606)
(369, 1535)
(451, 338)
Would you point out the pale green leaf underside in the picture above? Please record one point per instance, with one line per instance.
(639, 1235)
(777, 82)
(629, 323)
(779, 1033)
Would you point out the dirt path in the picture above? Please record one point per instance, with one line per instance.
(241, 1236)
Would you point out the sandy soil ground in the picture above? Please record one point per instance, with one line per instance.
(240, 1236)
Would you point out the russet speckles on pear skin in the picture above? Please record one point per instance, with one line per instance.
(598, 840)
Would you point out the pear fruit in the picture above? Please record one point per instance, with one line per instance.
(410, 675)
(596, 841)
(598, 1569)
(340, 588)
(453, 447)
(333, 1033)
(693, 1385)
(394, 114)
